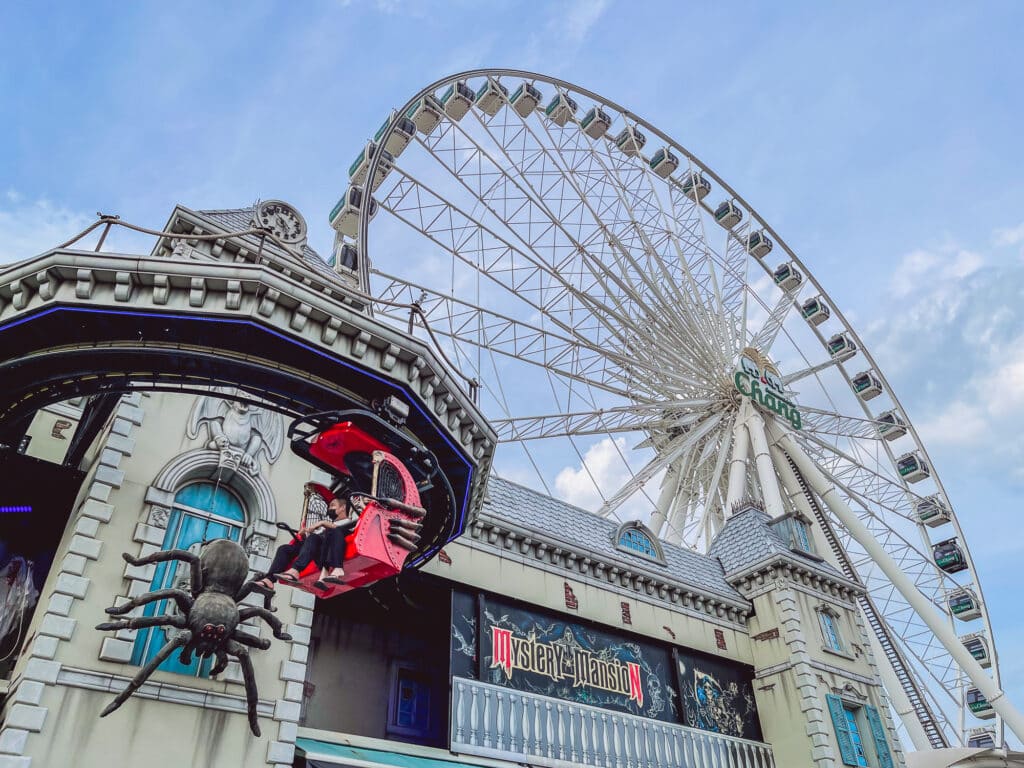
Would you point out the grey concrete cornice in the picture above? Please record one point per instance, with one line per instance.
(289, 298)
(805, 573)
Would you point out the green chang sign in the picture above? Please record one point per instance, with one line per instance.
(764, 387)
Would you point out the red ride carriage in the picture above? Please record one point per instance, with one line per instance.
(359, 450)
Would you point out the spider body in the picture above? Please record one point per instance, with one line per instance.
(208, 619)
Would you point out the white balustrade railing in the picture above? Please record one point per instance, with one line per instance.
(492, 721)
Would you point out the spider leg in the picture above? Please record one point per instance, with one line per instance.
(267, 616)
(253, 642)
(252, 586)
(141, 622)
(172, 554)
(182, 598)
(222, 663)
(146, 671)
(252, 695)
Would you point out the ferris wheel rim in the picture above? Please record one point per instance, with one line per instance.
(363, 246)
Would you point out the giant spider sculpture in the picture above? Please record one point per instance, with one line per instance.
(208, 618)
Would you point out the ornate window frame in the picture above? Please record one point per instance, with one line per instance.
(633, 525)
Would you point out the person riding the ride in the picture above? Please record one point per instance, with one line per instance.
(322, 542)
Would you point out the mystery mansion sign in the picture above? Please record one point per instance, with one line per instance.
(564, 660)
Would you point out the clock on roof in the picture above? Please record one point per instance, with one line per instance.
(281, 219)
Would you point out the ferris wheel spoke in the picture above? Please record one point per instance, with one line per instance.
(633, 418)
(669, 453)
(767, 333)
(521, 273)
(469, 324)
(796, 376)
(823, 422)
(650, 222)
(630, 279)
(887, 492)
(533, 220)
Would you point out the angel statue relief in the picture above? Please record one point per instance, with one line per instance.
(240, 431)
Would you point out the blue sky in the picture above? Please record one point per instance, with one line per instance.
(881, 140)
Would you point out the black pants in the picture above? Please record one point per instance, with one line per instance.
(333, 553)
(302, 552)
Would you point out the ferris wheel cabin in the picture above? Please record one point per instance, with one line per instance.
(981, 738)
(949, 557)
(525, 99)
(912, 467)
(491, 96)
(728, 214)
(758, 243)
(664, 163)
(963, 604)
(815, 311)
(977, 644)
(978, 704)
(933, 511)
(561, 109)
(787, 277)
(399, 138)
(867, 385)
(696, 187)
(595, 123)
(891, 425)
(359, 168)
(346, 258)
(457, 100)
(425, 114)
(345, 214)
(841, 347)
(630, 141)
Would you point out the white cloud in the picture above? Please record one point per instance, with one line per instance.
(602, 463)
(927, 269)
(28, 229)
(1009, 235)
(580, 16)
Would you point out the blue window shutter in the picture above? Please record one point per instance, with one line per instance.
(835, 708)
(878, 733)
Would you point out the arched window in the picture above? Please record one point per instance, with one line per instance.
(201, 512)
(635, 539)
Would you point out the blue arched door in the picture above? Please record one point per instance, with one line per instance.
(201, 512)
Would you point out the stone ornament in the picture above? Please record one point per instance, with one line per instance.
(240, 431)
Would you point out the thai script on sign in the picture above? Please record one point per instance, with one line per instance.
(763, 385)
(562, 661)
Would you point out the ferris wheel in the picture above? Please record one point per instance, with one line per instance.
(648, 347)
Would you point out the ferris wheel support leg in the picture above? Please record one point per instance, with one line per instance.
(738, 464)
(669, 489)
(826, 489)
(766, 476)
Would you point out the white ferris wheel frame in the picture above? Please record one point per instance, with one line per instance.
(913, 701)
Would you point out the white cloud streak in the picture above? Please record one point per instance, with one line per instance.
(30, 228)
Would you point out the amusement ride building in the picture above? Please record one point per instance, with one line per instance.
(154, 403)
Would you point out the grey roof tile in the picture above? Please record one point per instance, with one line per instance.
(240, 219)
(582, 530)
(748, 538)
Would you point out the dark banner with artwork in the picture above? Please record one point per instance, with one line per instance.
(506, 644)
(717, 695)
(545, 654)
